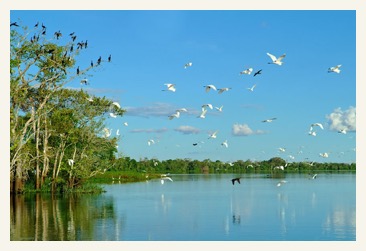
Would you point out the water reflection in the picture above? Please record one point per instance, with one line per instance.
(54, 217)
(195, 207)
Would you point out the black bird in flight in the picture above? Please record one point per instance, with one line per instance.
(36, 25)
(257, 73)
(235, 179)
(194, 144)
(58, 34)
(14, 24)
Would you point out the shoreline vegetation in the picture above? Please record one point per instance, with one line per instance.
(59, 141)
(128, 170)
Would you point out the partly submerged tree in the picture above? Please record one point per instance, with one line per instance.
(55, 132)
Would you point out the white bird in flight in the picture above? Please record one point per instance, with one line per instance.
(343, 131)
(117, 132)
(150, 142)
(277, 61)
(219, 108)
(170, 87)
(204, 107)
(174, 115)
(225, 144)
(112, 115)
(316, 124)
(312, 133)
(165, 178)
(187, 65)
(252, 88)
(182, 110)
(268, 120)
(324, 155)
(210, 87)
(335, 69)
(247, 71)
(213, 135)
(221, 90)
(203, 114)
(281, 149)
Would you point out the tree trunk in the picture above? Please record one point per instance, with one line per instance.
(36, 128)
(71, 173)
(45, 152)
(54, 179)
(18, 179)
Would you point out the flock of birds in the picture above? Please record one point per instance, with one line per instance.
(170, 87)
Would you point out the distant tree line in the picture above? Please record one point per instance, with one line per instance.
(185, 166)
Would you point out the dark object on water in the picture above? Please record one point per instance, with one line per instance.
(236, 179)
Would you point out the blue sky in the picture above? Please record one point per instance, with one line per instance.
(150, 48)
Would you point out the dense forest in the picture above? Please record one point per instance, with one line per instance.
(58, 140)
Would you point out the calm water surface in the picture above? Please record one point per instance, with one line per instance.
(196, 208)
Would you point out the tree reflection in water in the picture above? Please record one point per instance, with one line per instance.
(46, 217)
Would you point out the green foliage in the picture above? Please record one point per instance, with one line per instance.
(50, 124)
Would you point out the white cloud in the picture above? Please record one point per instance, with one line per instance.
(339, 119)
(187, 130)
(161, 130)
(244, 130)
(154, 110)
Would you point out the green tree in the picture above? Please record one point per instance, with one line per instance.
(51, 124)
